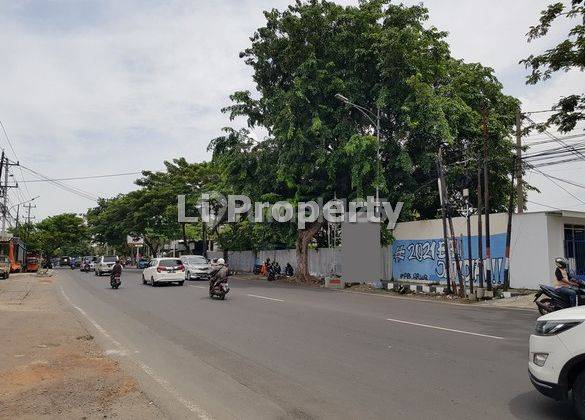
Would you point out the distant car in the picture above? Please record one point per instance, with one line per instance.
(557, 356)
(164, 270)
(64, 261)
(105, 265)
(197, 267)
(143, 263)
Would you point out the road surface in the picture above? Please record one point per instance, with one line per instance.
(272, 351)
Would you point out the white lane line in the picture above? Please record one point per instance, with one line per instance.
(445, 329)
(95, 324)
(190, 405)
(266, 297)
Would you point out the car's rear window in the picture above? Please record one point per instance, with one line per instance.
(110, 259)
(170, 263)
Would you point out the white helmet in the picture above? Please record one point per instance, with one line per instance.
(221, 261)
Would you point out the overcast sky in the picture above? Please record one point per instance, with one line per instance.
(101, 87)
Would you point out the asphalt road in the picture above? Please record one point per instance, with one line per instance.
(271, 351)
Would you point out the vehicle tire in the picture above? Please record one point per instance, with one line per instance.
(222, 297)
(180, 283)
(544, 306)
(579, 395)
(143, 279)
(152, 282)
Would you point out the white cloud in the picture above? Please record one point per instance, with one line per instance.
(103, 87)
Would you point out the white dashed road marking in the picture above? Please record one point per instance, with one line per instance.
(445, 329)
(266, 298)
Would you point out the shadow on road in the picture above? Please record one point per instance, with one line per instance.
(532, 405)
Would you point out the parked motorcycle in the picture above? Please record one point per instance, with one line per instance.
(115, 282)
(554, 301)
(218, 289)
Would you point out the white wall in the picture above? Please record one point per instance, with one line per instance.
(529, 258)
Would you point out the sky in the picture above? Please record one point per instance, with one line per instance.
(115, 86)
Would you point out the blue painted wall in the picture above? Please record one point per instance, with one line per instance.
(424, 259)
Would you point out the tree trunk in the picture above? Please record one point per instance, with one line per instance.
(304, 238)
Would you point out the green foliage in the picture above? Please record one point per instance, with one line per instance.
(379, 55)
(567, 55)
(63, 234)
(151, 210)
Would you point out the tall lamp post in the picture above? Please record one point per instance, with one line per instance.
(18, 206)
(374, 118)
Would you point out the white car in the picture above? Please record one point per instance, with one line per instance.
(105, 264)
(164, 270)
(196, 267)
(557, 356)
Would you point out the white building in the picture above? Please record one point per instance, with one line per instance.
(537, 239)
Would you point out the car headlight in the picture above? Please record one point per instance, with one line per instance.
(539, 359)
(554, 327)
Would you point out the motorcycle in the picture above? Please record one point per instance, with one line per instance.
(85, 267)
(554, 301)
(218, 289)
(115, 282)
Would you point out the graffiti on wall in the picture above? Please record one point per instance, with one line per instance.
(424, 259)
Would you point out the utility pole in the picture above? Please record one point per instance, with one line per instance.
(469, 256)
(509, 232)
(486, 191)
(5, 164)
(445, 194)
(519, 185)
(444, 217)
(479, 225)
(28, 208)
(5, 194)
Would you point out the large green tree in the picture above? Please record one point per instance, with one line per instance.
(567, 55)
(380, 56)
(62, 234)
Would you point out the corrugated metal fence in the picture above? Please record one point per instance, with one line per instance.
(322, 261)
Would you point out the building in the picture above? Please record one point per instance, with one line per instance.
(537, 239)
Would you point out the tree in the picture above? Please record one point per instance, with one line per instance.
(566, 55)
(380, 56)
(151, 210)
(63, 234)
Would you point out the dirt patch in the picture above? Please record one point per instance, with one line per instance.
(50, 367)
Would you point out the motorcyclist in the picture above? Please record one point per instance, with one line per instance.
(116, 270)
(565, 282)
(219, 275)
(288, 270)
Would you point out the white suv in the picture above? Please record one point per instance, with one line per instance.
(105, 264)
(164, 270)
(557, 356)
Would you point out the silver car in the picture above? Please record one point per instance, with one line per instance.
(105, 265)
(197, 267)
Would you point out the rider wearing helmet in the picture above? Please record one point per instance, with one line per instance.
(565, 282)
(219, 274)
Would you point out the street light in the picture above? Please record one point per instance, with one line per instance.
(24, 202)
(374, 117)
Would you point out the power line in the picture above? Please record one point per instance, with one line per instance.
(549, 140)
(15, 155)
(68, 188)
(82, 177)
(566, 181)
(557, 139)
(560, 186)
